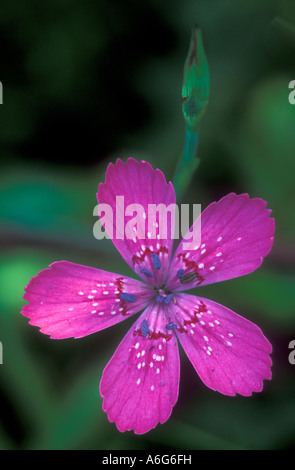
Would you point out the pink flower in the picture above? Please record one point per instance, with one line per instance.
(139, 385)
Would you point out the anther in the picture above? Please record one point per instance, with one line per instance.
(147, 272)
(188, 277)
(168, 298)
(128, 297)
(180, 273)
(171, 326)
(145, 328)
(156, 261)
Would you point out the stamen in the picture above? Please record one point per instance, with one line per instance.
(180, 273)
(147, 272)
(188, 277)
(156, 261)
(145, 328)
(168, 298)
(171, 326)
(128, 297)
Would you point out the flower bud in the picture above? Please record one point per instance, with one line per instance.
(196, 81)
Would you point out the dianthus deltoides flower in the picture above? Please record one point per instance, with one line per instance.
(140, 383)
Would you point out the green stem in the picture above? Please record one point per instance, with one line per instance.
(191, 143)
(188, 162)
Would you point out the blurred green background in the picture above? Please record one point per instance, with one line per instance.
(83, 83)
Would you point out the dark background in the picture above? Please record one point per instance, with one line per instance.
(83, 83)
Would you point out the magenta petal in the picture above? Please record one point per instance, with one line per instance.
(70, 300)
(229, 353)
(236, 234)
(140, 383)
(147, 250)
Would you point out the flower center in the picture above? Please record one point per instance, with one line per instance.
(162, 295)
